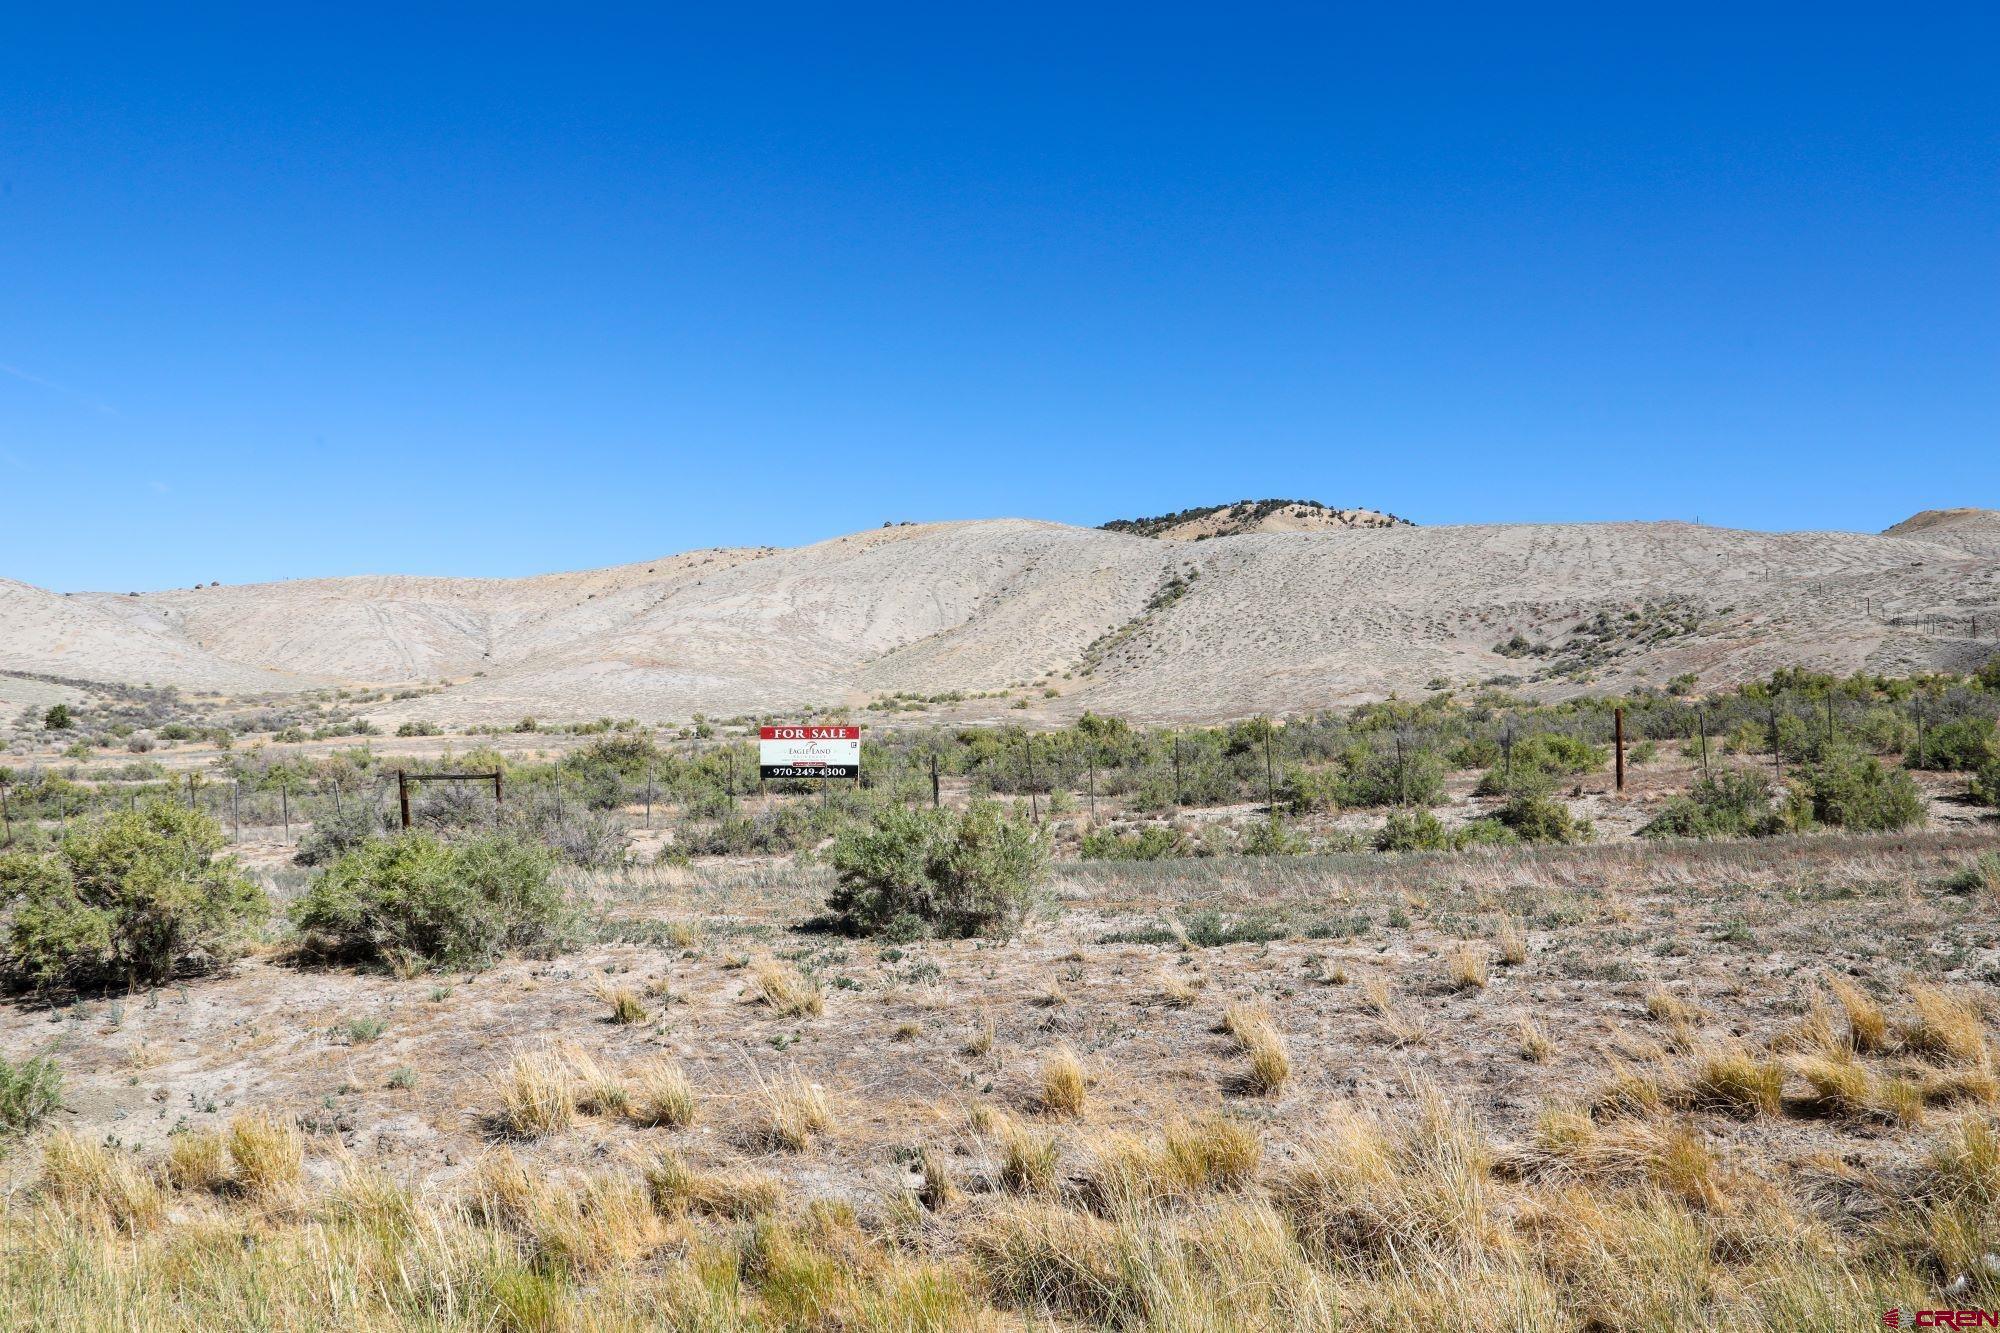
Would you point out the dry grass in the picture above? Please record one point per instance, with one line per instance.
(1064, 1088)
(1398, 1027)
(269, 1155)
(1947, 1026)
(197, 1160)
(1867, 1024)
(1511, 942)
(624, 1004)
(788, 993)
(675, 1187)
(538, 1095)
(662, 1095)
(1258, 1035)
(796, 1112)
(1664, 1006)
(1730, 1079)
(1465, 967)
(1027, 1158)
(1535, 1044)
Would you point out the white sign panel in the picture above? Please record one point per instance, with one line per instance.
(808, 752)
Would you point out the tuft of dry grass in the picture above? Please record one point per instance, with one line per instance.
(1728, 1078)
(980, 1043)
(1512, 943)
(269, 1155)
(1629, 1092)
(1843, 1086)
(788, 993)
(662, 1095)
(1663, 1006)
(1027, 1158)
(1465, 967)
(1947, 1026)
(1258, 1035)
(625, 1005)
(1129, 1172)
(795, 1113)
(1536, 1046)
(1177, 992)
(197, 1160)
(675, 1187)
(1063, 1085)
(593, 1088)
(99, 1183)
(1399, 1028)
(538, 1096)
(1867, 1024)
(939, 1190)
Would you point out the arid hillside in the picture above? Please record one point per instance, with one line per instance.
(1064, 619)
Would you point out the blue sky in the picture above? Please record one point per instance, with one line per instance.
(490, 292)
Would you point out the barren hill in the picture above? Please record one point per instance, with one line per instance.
(1247, 516)
(1233, 624)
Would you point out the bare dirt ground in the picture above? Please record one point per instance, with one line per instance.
(405, 1071)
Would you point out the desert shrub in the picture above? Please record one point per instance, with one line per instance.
(1381, 777)
(1305, 790)
(335, 835)
(413, 898)
(1539, 760)
(29, 1091)
(58, 718)
(957, 874)
(133, 897)
(1413, 831)
(1269, 837)
(1988, 675)
(1849, 790)
(1534, 817)
(1986, 783)
(415, 728)
(1154, 842)
(1962, 745)
(1722, 805)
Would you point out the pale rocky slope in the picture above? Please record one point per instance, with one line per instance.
(1227, 626)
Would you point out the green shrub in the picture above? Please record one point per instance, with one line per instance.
(960, 875)
(1413, 831)
(1962, 745)
(1534, 817)
(1154, 842)
(1373, 778)
(414, 899)
(58, 718)
(1539, 760)
(1269, 837)
(1722, 805)
(1305, 790)
(134, 897)
(1986, 783)
(29, 1091)
(338, 834)
(1849, 790)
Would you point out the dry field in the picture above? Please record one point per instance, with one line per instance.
(1607, 1087)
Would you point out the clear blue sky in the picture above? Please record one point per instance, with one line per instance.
(291, 290)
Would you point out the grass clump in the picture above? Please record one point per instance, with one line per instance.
(1063, 1085)
(796, 1112)
(662, 1095)
(415, 899)
(1730, 1079)
(538, 1096)
(1270, 1062)
(788, 993)
(268, 1153)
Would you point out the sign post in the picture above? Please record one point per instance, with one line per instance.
(799, 751)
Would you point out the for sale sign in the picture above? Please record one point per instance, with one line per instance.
(808, 752)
